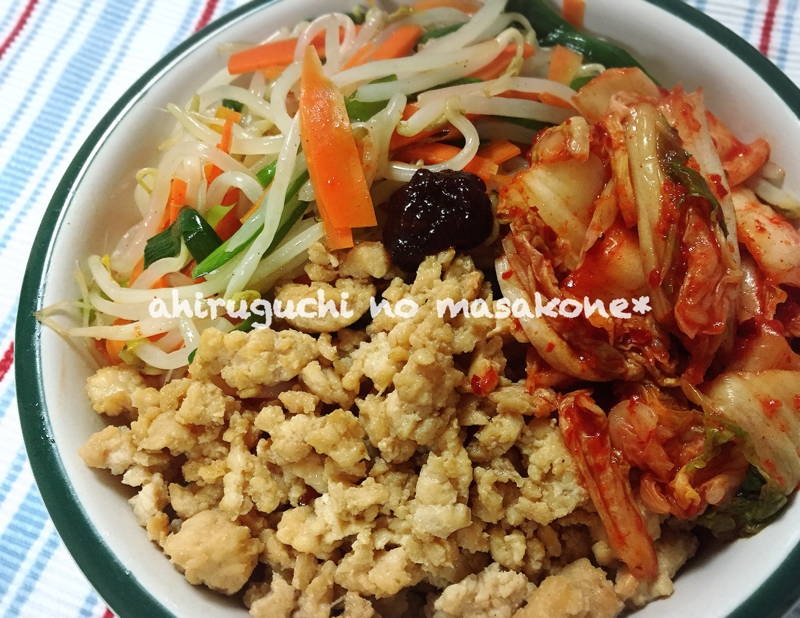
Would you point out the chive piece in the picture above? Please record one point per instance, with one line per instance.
(217, 213)
(552, 29)
(291, 214)
(191, 355)
(234, 105)
(438, 33)
(266, 175)
(199, 236)
(222, 255)
(580, 82)
(289, 217)
(358, 15)
(165, 244)
(457, 82)
(361, 111)
(247, 325)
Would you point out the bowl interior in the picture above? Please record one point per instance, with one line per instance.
(99, 208)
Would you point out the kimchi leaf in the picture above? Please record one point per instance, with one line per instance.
(756, 503)
(674, 159)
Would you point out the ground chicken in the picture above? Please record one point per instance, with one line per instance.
(363, 468)
(212, 550)
(493, 593)
(110, 389)
(579, 591)
(251, 361)
(336, 307)
(277, 603)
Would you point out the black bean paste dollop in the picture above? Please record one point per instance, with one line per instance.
(436, 211)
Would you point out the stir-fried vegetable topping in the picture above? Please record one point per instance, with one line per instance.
(675, 159)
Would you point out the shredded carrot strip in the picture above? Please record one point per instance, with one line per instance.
(572, 11)
(227, 131)
(138, 269)
(231, 197)
(399, 44)
(446, 131)
(465, 6)
(274, 53)
(541, 97)
(334, 165)
(114, 347)
(335, 237)
(551, 99)
(176, 201)
(211, 172)
(339, 238)
(518, 94)
(499, 151)
(274, 71)
(431, 154)
(360, 57)
(228, 225)
(495, 68)
(226, 112)
(564, 64)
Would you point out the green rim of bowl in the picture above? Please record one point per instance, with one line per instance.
(113, 581)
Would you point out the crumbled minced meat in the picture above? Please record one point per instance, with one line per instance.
(493, 593)
(110, 389)
(360, 467)
(211, 549)
(579, 591)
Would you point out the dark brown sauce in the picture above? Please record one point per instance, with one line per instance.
(436, 211)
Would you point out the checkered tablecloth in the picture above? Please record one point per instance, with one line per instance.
(63, 63)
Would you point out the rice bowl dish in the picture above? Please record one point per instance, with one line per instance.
(478, 425)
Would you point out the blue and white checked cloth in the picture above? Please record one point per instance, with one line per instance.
(63, 63)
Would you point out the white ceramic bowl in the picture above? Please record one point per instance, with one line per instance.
(754, 577)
